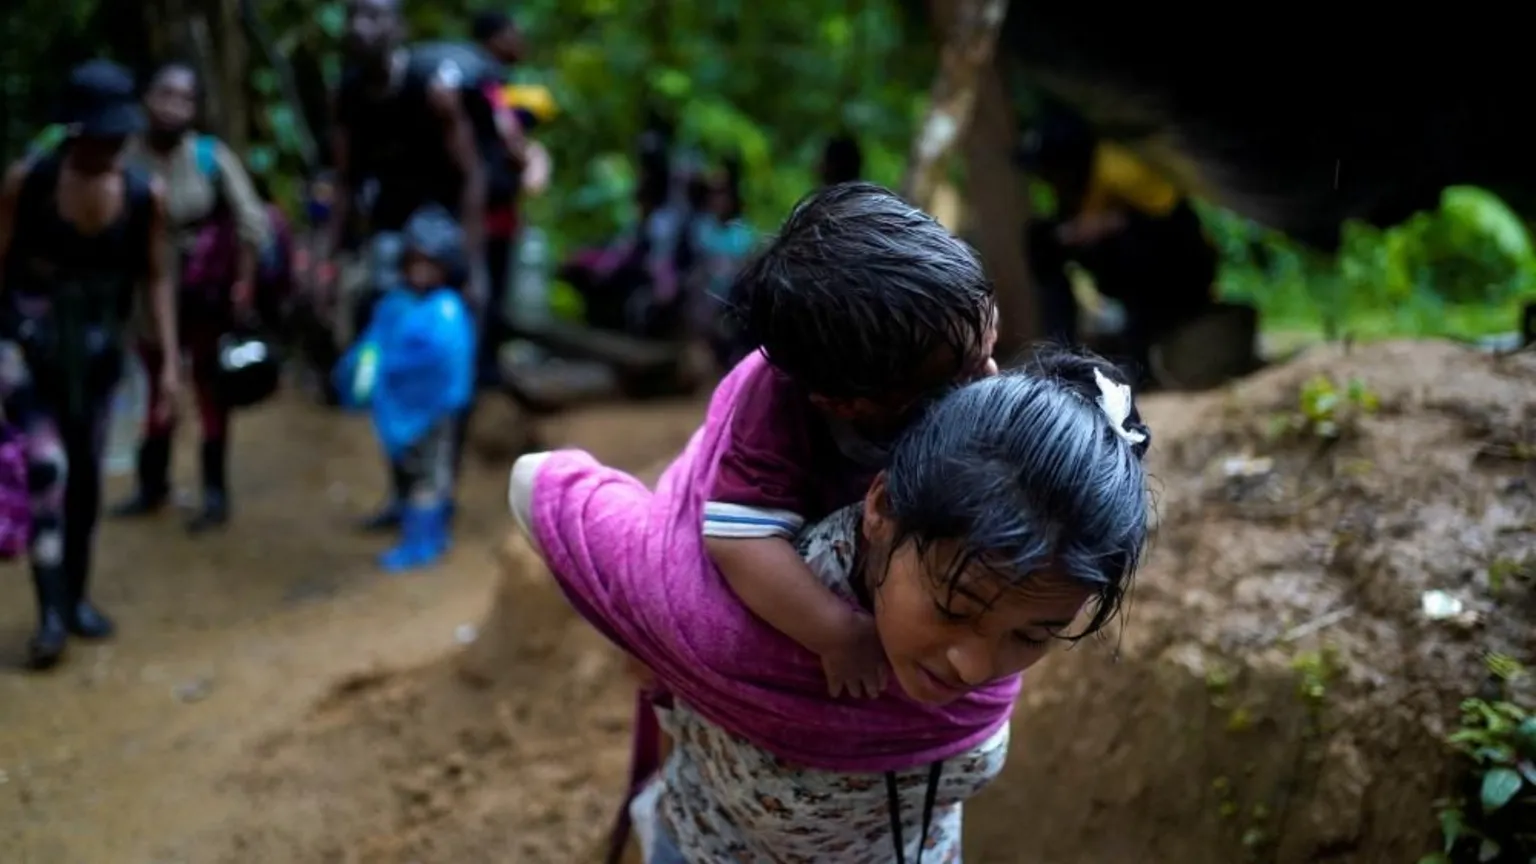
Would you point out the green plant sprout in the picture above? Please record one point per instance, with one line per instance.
(1315, 670)
(1326, 410)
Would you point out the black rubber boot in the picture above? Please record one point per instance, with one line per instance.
(215, 510)
(154, 489)
(81, 616)
(46, 647)
(388, 517)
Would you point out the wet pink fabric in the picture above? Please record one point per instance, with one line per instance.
(632, 562)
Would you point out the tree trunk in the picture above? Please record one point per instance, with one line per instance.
(967, 52)
(231, 62)
(999, 213)
(971, 87)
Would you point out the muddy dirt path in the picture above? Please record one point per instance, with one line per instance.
(120, 754)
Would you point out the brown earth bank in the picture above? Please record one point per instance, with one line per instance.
(1279, 694)
(1276, 693)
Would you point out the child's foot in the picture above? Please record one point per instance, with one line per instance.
(424, 540)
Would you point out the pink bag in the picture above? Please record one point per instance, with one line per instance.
(15, 498)
(208, 270)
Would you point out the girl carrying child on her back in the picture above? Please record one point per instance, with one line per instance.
(861, 312)
(864, 309)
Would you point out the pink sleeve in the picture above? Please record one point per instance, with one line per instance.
(588, 521)
(767, 460)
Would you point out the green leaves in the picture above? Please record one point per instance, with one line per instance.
(1494, 735)
(1525, 738)
(1499, 787)
(1461, 271)
(332, 18)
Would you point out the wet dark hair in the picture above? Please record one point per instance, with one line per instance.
(859, 292)
(1025, 472)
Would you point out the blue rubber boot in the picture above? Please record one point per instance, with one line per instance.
(423, 540)
(442, 529)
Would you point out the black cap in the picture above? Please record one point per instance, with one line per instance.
(100, 101)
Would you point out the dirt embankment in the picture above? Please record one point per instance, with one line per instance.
(1277, 693)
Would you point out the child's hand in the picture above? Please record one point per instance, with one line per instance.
(856, 662)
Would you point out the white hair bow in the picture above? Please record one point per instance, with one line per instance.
(1115, 401)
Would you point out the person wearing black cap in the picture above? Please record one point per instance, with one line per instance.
(79, 234)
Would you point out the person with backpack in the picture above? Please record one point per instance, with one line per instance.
(81, 233)
(409, 123)
(218, 227)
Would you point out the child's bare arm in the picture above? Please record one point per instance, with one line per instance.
(775, 583)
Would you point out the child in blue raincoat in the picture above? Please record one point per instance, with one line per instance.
(413, 369)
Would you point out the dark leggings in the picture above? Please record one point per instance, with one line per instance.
(493, 319)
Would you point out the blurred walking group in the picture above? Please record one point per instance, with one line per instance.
(129, 240)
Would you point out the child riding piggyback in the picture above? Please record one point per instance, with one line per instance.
(864, 309)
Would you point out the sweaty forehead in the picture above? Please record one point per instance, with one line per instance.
(1043, 599)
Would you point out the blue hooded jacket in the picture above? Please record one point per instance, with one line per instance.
(415, 364)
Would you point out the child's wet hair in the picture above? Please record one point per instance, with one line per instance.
(861, 292)
(1026, 473)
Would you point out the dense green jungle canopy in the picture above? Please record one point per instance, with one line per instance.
(767, 83)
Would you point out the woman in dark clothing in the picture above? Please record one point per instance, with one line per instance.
(79, 234)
